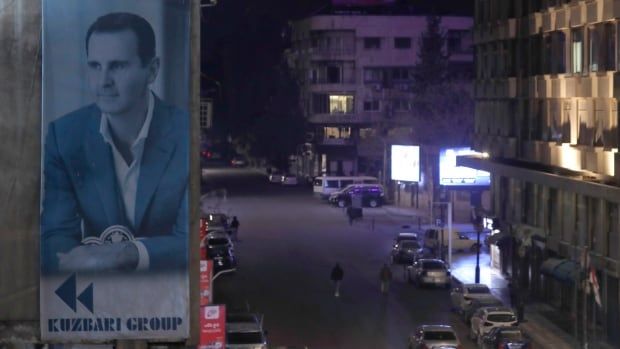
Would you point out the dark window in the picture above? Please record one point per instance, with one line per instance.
(333, 75)
(371, 105)
(610, 46)
(372, 43)
(602, 47)
(547, 54)
(402, 43)
(558, 60)
(331, 184)
(320, 103)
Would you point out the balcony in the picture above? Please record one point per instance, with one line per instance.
(319, 53)
(343, 118)
(335, 141)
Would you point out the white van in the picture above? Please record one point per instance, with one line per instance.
(434, 237)
(325, 185)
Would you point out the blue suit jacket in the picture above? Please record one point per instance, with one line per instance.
(81, 190)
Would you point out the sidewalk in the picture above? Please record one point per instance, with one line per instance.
(541, 320)
(538, 323)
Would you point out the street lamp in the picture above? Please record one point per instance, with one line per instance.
(478, 225)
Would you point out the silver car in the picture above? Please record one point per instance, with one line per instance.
(430, 272)
(434, 336)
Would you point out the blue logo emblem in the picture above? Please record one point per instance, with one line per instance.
(68, 293)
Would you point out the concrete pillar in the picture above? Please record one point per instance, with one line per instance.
(20, 134)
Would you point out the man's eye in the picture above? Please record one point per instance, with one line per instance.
(119, 65)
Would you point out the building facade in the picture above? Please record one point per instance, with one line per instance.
(355, 73)
(547, 114)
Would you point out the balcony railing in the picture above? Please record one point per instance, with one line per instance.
(361, 118)
(332, 52)
(336, 141)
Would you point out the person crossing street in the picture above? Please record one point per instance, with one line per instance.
(385, 275)
(336, 277)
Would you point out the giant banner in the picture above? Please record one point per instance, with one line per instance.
(115, 168)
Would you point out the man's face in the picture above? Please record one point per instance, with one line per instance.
(116, 75)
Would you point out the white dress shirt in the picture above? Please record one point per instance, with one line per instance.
(127, 174)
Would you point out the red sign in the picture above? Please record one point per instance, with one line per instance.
(206, 276)
(212, 327)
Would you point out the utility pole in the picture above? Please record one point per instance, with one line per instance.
(478, 225)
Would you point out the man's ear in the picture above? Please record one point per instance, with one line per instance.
(153, 68)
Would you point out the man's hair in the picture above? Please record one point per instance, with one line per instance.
(119, 21)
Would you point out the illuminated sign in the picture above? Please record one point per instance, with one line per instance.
(406, 163)
(452, 175)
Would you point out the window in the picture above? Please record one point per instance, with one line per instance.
(577, 51)
(547, 54)
(402, 73)
(333, 75)
(602, 45)
(372, 43)
(371, 105)
(337, 132)
(373, 75)
(320, 103)
(558, 43)
(401, 105)
(459, 41)
(340, 104)
(402, 43)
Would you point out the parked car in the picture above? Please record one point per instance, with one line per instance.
(224, 260)
(429, 272)
(436, 237)
(372, 195)
(477, 303)
(215, 221)
(238, 161)
(289, 179)
(506, 337)
(408, 251)
(434, 336)
(276, 177)
(462, 295)
(244, 331)
(403, 237)
(487, 318)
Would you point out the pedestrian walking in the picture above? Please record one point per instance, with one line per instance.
(385, 275)
(336, 277)
(234, 226)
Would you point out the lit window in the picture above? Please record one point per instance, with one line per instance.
(340, 104)
(577, 50)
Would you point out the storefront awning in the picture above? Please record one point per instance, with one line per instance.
(563, 270)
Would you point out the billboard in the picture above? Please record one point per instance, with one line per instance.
(405, 163)
(115, 170)
(452, 175)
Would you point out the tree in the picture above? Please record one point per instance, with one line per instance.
(278, 130)
(443, 106)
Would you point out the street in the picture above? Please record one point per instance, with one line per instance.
(290, 241)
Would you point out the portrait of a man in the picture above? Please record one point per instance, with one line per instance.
(116, 171)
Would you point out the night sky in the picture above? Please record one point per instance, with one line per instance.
(242, 44)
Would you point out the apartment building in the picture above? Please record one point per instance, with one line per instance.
(355, 73)
(547, 114)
